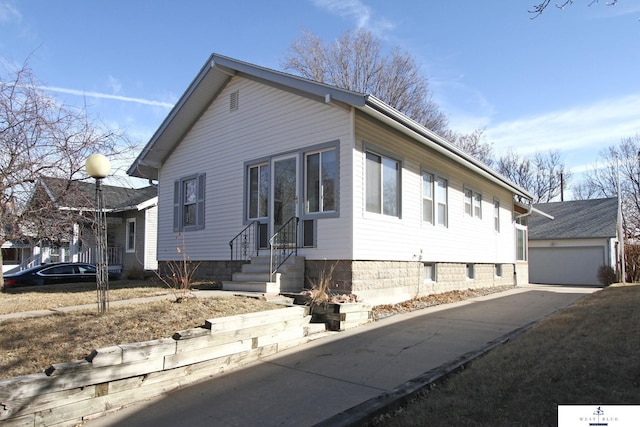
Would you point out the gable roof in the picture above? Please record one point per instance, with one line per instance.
(217, 72)
(81, 195)
(576, 219)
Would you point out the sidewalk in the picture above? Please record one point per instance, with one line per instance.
(340, 379)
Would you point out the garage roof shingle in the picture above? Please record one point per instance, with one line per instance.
(576, 219)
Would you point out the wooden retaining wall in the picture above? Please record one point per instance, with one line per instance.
(113, 377)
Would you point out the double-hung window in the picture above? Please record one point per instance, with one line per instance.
(472, 203)
(427, 197)
(188, 203)
(496, 215)
(383, 185)
(131, 235)
(321, 181)
(441, 187)
(434, 199)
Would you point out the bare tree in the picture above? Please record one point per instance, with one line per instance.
(40, 137)
(474, 144)
(550, 176)
(543, 174)
(517, 169)
(355, 61)
(623, 161)
(538, 8)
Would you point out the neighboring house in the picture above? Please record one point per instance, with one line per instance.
(569, 249)
(131, 228)
(399, 210)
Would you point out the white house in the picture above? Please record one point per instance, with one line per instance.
(399, 210)
(131, 228)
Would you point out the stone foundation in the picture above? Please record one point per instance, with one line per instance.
(387, 282)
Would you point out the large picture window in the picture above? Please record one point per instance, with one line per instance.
(383, 185)
(188, 203)
(321, 181)
(258, 185)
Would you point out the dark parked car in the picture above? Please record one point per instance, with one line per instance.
(50, 274)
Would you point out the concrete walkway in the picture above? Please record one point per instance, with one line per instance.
(341, 379)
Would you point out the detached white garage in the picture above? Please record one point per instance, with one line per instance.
(569, 249)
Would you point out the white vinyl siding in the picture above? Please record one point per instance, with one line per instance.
(382, 237)
(268, 122)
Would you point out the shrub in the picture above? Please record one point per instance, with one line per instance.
(135, 273)
(606, 275)
(178, 275)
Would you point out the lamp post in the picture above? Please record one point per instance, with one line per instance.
(98, 167)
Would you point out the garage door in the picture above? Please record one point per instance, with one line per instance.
(566, 266)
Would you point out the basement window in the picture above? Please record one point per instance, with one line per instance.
(471, 271)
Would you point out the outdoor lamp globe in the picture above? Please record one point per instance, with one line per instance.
(98, 166)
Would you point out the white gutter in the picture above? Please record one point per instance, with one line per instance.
(392, 117)
(531, 210)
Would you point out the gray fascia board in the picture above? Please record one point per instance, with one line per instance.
(376, 108)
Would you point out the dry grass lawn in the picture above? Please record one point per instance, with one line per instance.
(588, 353)
(30, 345)
(47, 297)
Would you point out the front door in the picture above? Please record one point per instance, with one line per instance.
(284, 191)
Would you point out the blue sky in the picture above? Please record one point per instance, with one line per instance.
(567, 80)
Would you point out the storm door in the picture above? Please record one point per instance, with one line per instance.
(284, 196)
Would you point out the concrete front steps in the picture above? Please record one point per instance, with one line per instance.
(254, 277)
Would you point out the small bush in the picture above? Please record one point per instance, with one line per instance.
(606, 275)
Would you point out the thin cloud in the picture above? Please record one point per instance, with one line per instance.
(596, 125)
(357, 11)
(107, 96)
(9, 14)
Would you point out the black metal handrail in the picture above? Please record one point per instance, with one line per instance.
(245, 244)
(283, 244)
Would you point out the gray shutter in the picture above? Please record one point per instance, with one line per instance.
(176, 206)
(200, 203)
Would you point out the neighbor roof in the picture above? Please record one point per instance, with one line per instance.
(81, 194)
(217, 72)
(576, 219)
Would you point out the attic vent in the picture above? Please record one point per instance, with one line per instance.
(233, 101)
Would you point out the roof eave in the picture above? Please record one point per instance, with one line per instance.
(176, 123)
(383, 112)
